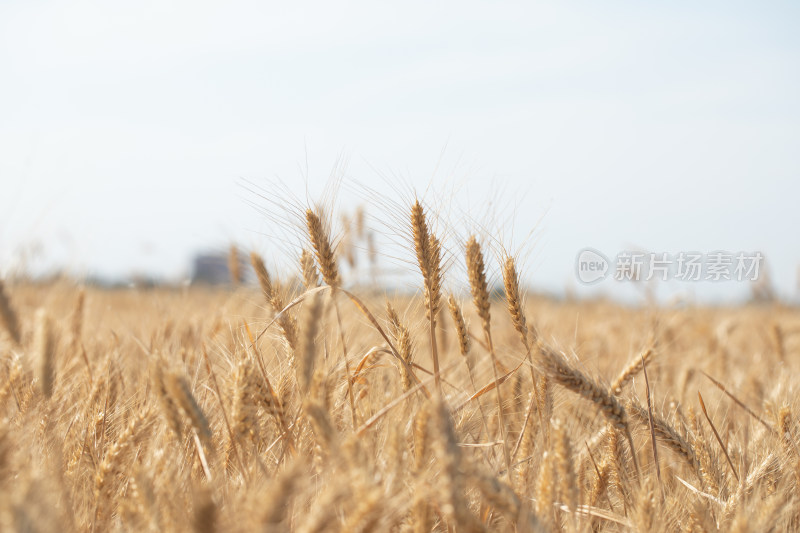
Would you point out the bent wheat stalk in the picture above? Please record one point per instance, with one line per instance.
(576, 381)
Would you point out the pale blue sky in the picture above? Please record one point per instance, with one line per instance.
(126, 128)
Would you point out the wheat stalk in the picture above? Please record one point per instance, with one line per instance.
(429, 258)
(480, 297)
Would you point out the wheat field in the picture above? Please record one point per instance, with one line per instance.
(311, 402)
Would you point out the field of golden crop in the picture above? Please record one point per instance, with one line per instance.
(310, 404)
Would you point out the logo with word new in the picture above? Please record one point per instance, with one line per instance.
(591, 266)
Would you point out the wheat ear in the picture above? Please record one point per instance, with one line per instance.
(402, 338)
(464, 341)
(429, 258)
(633, 368)
(272, 294)
(323, 250)
(665, 432)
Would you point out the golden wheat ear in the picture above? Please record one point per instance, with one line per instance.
(478, 284)
(464, 340)
(326, 258)
(402, 338)
(429, 259)
(514, 299)
(274, 297)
